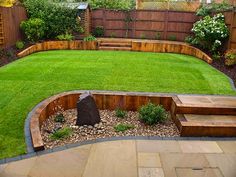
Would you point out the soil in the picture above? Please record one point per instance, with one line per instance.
(228, 70)
(104, 129)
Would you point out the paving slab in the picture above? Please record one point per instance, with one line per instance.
(171, 161)
(20, 167)
(116, 159)
(149, 160)
(151, 146)
(204, 172)
(227, 146)
(61, 164)
(225, 162)
(151, 172)
(199, 147)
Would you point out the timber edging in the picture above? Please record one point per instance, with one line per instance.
(137, 45)
(131, 101)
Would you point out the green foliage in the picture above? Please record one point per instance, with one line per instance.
(208, 9)
(113, 34)
(58, 19)
(152, 114)
(34, 29)
(113, 4)
(210, 32)
(59, 118)
(20, 45)
(142, 36)
(120, 113)
(65, 37)
(123, 127)
(61, 133)
(158, 35)
(98, 31)
(230, 57)
(172, 37)
(90, 38)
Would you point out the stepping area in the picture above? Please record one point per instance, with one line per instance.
(132, 158)
(205, 115)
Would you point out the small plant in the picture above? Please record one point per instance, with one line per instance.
(216, 56)
(113, 34)
(90, 38)
(172, 37)
(59, 118)
(120, 113)
(152, 114)
(142, 36)
(61, 133)
(20, 45)
(98, 31)
(230, 57)
(123, 127)
(158, 35)
(65, 37)
(34, 29)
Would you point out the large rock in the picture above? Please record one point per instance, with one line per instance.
(88, 113)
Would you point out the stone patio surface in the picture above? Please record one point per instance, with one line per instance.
(132, 158)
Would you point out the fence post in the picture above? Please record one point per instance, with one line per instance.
(134, 23)
(231, 29)
(104, 20)
(166, 24)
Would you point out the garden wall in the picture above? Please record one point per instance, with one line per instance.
(11, 18)
(148, 23)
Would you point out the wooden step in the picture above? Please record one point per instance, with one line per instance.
(206, 125)
(115, 48)
(115, 44)
(205, 105)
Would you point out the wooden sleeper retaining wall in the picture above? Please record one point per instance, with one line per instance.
(137, 45)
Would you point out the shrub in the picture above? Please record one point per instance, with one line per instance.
(123, 127)
(20, 45)
(98, 31)
(158, 35)
(59, 118)
(65, 37)
(210, 32)
(208, 9)
(120, 113)
(112, 4)
(113, 34)
(230, 57)
(172, 37)
(57, 17)
(152, 114)
(142, 36)
(34, 29)
(90, 38)
(61, 133)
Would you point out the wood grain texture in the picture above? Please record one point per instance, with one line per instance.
(132, 102)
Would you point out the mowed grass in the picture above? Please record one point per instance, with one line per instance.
(26, 82)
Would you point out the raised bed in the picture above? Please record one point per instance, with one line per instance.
(131, 102)
(136, 45)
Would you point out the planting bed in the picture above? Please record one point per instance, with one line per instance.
(104, 129)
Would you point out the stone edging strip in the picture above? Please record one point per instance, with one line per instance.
(69, 146)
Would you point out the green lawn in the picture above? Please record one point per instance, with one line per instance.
(26, 82)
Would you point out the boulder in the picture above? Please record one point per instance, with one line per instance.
(87, 110)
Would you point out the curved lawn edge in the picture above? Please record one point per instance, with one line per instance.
(136, 45)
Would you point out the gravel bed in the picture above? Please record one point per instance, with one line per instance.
(104, 129)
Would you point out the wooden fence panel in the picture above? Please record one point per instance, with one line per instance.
(11, 21)
(148, 23)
